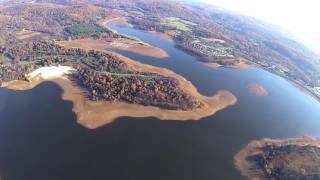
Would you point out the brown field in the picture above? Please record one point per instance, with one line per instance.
(213, 65)
(257, 90)
(92, 44)
(164, 36)
(243, 65)
(31, 35)
(93, 114)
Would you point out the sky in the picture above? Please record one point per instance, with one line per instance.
(300, 17)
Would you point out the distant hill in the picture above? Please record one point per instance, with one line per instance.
(195, 27)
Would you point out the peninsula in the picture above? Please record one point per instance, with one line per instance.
(280, 159)
(117, 86)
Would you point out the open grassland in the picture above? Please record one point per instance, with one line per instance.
(176, 23)
(29, 35)
(3, 59)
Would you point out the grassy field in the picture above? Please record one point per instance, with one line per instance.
(3, 59)
(177, 23)
(80, 29)
(29, 35)
(22, 32)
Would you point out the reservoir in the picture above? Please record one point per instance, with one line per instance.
(40, 139)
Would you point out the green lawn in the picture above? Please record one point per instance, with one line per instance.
(176, 22)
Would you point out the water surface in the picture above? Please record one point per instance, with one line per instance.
(40, 139)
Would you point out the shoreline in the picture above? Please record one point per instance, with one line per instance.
(166, 37)
(142, 48)
(251, 169)
(93, 114)
(243, 66)
(121, 20)
(101, 45)
(38, 76)
(50, 72)
(297, 84)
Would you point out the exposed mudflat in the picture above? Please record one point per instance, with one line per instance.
(257, 90)
(241, 65)
(93, 44)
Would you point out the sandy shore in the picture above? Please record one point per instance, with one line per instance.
(141, 48)
(241, 65)
(92, 44)
(120, 20)
(93, 114)
(40, 75)
(257, 90)
(123, 21)
(249, 168)
(164, 36)
(51, 72)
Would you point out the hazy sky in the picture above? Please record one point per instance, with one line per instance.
(300, 17)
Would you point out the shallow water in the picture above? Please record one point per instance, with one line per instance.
(40, 139)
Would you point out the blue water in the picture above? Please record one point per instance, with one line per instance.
(40, 138)
(284, 100)
(285, 112)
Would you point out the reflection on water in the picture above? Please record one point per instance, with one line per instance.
(40, 139)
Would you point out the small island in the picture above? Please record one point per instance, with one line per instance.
(280, 159)
(257, 90)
